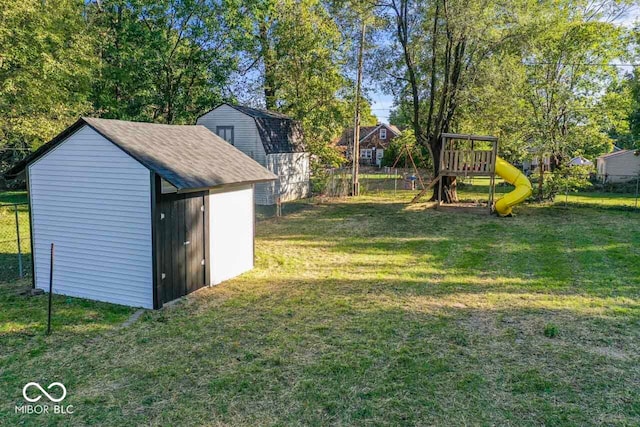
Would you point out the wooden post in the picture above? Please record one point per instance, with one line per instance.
(50, 291)
(444, 146)
(492, 184)
(356, 130)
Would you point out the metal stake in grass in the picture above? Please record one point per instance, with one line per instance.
(50, 292)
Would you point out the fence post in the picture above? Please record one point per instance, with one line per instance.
(637, 182)
(15, 208)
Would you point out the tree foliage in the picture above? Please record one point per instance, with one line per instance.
(535, 73)
(164, 61)
(46, 70)
(532, 73)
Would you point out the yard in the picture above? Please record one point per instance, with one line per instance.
(364, 312)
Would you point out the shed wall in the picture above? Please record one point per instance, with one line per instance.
(232, 231)
(293, 178)
(94, 202)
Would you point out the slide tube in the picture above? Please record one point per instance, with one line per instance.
(513, 176)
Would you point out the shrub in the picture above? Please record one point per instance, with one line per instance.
(565, 178)
(550, 330)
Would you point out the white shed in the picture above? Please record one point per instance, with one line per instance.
(140, 213)
(273, 140)
(619, 166)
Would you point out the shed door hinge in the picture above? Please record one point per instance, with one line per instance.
(163, 276)
(202, 208)
(161, 215)
(202, 262)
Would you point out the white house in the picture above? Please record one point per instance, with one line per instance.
(140, 214)
(580, 161)
(619, 166)
(271, 139)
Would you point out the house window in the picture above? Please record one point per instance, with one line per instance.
(383, 133)
(226, 133)
(366, 153)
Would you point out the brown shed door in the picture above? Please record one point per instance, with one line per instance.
(182, 248)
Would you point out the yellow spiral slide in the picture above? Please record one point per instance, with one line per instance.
(513, 176)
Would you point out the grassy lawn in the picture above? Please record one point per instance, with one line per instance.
(364, 312)
(9, 267)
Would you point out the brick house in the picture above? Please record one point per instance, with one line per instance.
(373, 141)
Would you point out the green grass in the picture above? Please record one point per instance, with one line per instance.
(366, 312)
(9, 267)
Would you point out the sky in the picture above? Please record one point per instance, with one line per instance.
(382, 102)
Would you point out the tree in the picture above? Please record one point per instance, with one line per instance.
(568, 68)
(442, 46)
(298, 52)
(164, 61)
(46, 65)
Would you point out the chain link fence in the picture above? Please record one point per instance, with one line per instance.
(15, 242)
(337, 182)
(574, 186)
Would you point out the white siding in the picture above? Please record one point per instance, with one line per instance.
(619, 167)
(293, 177)
(231, 222)
(247, 140)
(94, 202)
(245, 132)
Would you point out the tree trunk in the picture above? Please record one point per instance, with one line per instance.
(541, 178)
(449, 185)
(269, 68)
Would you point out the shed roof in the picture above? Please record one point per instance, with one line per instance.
(278, 132)
(188, 157)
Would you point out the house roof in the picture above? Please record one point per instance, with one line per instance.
(614, 153)
(188, 157)
(580, 161)
(278, 132)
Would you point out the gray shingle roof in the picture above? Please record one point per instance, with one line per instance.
(279, 133)
(189, 157)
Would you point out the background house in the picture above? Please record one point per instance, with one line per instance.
(373, 141)
(271, 139)
(140, 213)
(580, 161)
(619, 166)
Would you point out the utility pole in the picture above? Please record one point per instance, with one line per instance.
(355, 154)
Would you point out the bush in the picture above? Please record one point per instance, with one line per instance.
(565, 178)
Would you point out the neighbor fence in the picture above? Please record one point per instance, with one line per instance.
(575, 187)
(15, 242)
(337, 182)
(572, 186)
